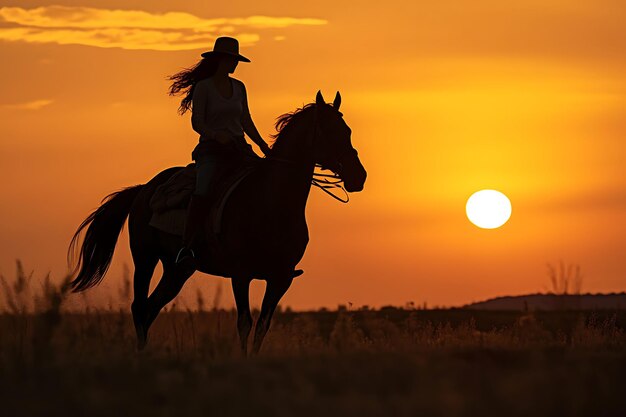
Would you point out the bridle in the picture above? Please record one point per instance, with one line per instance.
(324, 182)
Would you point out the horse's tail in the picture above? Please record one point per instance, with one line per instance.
(105, 224)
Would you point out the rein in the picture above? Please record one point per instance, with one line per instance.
(323, 182)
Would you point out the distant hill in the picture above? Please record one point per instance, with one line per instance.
(548, 302)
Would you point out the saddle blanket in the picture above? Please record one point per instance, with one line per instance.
(170, 200)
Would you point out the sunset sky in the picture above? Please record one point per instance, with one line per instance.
(444, 99)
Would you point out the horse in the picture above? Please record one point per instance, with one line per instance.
(263, 232)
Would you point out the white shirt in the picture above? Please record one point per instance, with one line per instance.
(211, 112)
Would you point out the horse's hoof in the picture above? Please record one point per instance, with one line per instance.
(141, 344)
(142, 338)
(140, 329)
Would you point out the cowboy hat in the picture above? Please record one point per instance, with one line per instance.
(226, 45)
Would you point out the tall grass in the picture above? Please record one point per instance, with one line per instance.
(31, 316)
(366, 362)
(34, 325)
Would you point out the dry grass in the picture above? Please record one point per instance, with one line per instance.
(390, 362)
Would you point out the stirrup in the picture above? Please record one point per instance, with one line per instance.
(180, 258)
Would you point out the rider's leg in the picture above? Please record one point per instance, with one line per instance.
(198, 206)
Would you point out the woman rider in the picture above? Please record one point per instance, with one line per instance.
(220, 114)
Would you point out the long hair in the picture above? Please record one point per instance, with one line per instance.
(184, 81)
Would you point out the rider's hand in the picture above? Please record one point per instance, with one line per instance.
(223, 137)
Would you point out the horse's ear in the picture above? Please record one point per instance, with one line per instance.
(319, 100)
(337, 101)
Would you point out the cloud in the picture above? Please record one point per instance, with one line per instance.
(133, 29)
(120, 38)
(29, 105)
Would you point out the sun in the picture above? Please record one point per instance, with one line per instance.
(488, 209)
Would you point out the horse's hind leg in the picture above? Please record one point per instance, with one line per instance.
(241, 290)
(144, 269)
(167, 289)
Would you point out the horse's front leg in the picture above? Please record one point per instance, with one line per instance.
(241, 290)
(277, 286)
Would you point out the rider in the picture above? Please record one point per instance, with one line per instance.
(220, 114)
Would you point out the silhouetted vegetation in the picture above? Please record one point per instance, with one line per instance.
(565, 279)
(365, 362)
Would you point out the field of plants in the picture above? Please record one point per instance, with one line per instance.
(387, 362)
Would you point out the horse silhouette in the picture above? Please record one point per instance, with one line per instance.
(264, 232)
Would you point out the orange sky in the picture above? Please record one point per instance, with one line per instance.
(443, 99)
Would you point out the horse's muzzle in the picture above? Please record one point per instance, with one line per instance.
(353, 175)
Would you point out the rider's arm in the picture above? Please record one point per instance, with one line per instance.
(198, 109)
(248, 125)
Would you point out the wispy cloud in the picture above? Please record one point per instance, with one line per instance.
(29, 105)
(120, 38)
(133, 29)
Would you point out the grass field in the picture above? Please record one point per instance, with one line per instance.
(389, 362)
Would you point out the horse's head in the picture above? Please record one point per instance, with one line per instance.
(332, 146)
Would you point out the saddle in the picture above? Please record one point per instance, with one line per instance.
(170, 199)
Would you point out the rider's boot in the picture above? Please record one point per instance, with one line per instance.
(196, 212)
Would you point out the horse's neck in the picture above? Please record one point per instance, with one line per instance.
(290, 179)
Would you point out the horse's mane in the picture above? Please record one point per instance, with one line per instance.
(283, 121)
